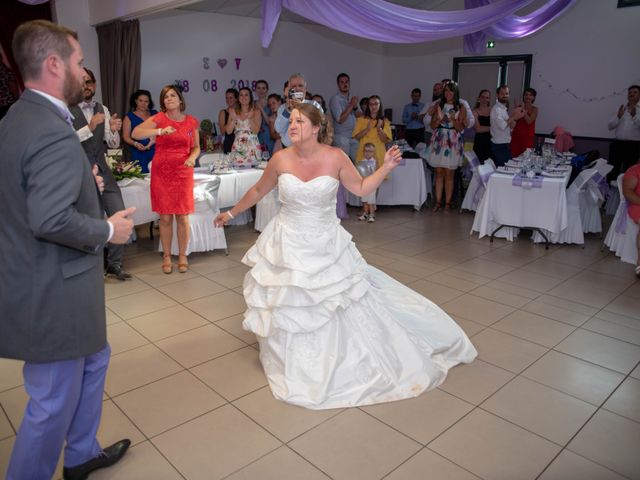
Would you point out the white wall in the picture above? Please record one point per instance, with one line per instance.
(173, 48)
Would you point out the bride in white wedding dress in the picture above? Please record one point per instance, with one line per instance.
(333, 331)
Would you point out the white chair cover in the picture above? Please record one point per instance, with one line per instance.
(613, 199)
(623, 232)
(475, 190)
(267, 208)
(592, 197)
(204, 236)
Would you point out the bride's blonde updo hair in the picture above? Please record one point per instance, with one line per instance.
(317, 119)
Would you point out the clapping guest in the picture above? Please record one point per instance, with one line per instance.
(524, 133)
(631, 192)
(262, 102)
(177, 148)
(373, 128)
(231, 98)
(625, 125)
(482, 116)
(501, 125)
(141, 106)
(244, 122)
(274, 102)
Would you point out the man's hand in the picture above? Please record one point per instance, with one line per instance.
(115, 123)
(98, 178)
(97, 119)
(353, 102)
(122, 225)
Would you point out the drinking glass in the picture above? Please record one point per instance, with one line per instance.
(265, 155)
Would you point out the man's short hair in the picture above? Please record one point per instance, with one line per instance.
(417, 90)
(340, 75)
(92, 76)
(637, 87)
(501, 87)
(298, 75)
(34, 41)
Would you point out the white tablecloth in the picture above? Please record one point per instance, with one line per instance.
(406, 186)
(135, 193)
(506, 204)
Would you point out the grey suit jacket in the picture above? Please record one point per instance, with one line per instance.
(52, 231)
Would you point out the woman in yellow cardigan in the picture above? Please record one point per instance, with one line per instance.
(373, 128)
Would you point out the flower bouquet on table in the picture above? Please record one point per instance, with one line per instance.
(120, 168)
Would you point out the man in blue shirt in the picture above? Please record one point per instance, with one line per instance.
(344, 110)
(414, 128)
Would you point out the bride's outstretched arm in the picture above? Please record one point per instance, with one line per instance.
(352, 181)
(263, 186)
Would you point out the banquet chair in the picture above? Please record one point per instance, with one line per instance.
(267, 208)
(612, 200)
(475, 190)
(593, 196)
(623, 232)
(204, 236)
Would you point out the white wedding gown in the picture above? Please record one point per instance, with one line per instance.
(333, 331)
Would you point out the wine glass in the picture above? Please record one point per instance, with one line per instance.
(266, 155)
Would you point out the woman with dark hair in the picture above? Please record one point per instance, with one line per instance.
(244, 123)
(448, 123)
(372, 127)
(482, 116)
(333, 331)
(523, 135)
(262, 102)
(231, 98)
(141, 106)
(177, 148)
(274, 101)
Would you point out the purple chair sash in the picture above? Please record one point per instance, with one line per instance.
(525, 182)
(621, 224)
(485, 178)
(601, 181)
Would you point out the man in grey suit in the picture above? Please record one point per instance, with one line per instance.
(52, 233)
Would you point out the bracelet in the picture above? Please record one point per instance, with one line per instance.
(159, 132)
(231, 217)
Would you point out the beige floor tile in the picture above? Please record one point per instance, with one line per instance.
(418, 269)
(500, 296)
(513, 259)
(466, 275)
(199, 345)
(493, 448)
(605, 281)
(122, 337)
(582, 292)
(140, 263)
(506, 351)
(233, 375)
(114, 426)
(167, 322)
(215, 445)
(233, 325)
(539, 409)
(111, 317)
(476, 381)
(140, 303)
(514, 289)
(353, 445)
(636, 372)
(399, 276)
(138, 367)
(115, 288)
(283, 420)
(573, 257)
(376, 259)
(552, 268)
(633, 290)
(142, 462)
(612, 441)
(485, 268)
(476, 309)
(428, 464)
(191, 289)
(569, 466)
(531, 280)
(569, 305)
(230, 277)
(441, 258)
(435, 292)
(625, 400)
(281, 464)
(469, 327)
(624, 305)
(534, 328)
(13, 403)
(448, 280)
(157, 278)
(612, 265)
(618, 319)
(422, 418)
(605, 351)
(584, 380)
(5, 427)
(541, 307)
(166, 403)
(10, 373)
(218, 306)
(615, 330)
(207, 264)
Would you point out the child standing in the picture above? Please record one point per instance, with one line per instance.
(366, 167)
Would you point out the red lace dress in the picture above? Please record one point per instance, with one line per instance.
(522, 137)
(171, 180)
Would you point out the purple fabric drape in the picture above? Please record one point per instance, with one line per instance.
(387, 22)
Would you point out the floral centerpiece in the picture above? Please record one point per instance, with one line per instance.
(122, 169)
(210, 141)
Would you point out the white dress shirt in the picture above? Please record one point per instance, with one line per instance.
(112, 138)
(626, 127)
(500, 129)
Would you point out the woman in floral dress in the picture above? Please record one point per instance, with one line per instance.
(244, 121)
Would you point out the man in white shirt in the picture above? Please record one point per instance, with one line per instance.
(344, 110)
(625, 149)
(501, 125)
(90, 118)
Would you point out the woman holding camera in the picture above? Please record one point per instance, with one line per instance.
(244, 122)
(373, 128)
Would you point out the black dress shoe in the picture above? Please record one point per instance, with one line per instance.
(118, 272)
(108, 457)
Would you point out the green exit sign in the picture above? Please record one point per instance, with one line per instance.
(491, 44)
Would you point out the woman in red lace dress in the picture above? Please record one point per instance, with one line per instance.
(177, 148)
(524, 133)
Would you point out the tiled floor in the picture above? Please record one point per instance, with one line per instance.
(554, 393)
